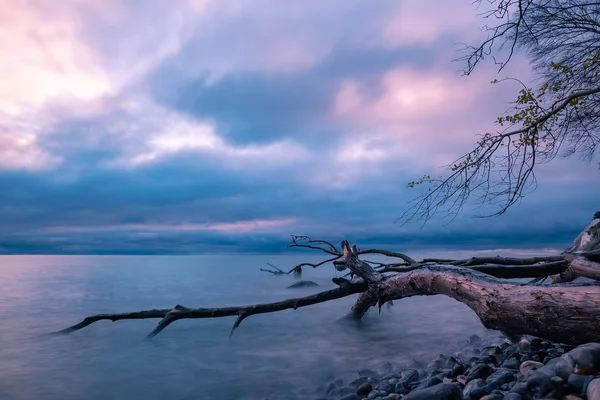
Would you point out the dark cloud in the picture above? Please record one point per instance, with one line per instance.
(260, 107)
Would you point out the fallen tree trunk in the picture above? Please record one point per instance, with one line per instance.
(562, 313)
(566, 312)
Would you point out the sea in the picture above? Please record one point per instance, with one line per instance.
(284, 355)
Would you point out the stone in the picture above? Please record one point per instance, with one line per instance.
(549, 368)
(385, 386)
(524, 345)
(571, 397)
(364, 389)
(369, 373)
(479, 371)
(458, 369)
(511, 363)
(576, 383)
(538, 385)
(376, 393)
(593, 390)
(512, 396)
(582, 360)
(346, 390)
(477, 394)
(302, 284)
(498, 378)
(410, 376)
(527, 366)
(472, 386)
(351, 396)
(474, 339)
(402, 387)
(429, 382)
(359, 382)
(442, 391)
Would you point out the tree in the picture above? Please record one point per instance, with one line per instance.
(565, 312)
(557, 116)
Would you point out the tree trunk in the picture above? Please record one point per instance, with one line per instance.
(567, 313)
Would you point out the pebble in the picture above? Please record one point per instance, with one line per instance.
(531, 369)
(527, 366)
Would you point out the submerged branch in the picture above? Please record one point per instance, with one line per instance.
(178, 312)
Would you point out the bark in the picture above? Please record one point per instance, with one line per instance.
(563, 313)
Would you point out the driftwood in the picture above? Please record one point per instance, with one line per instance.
(562, 311)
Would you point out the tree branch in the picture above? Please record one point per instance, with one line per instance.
(178, 312)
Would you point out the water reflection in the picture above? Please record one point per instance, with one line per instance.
(290, 352)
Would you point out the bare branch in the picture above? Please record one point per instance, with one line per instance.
(169, 316)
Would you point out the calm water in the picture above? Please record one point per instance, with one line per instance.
(287, 354)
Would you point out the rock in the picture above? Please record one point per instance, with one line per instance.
(575, 383)
(511, 363)
(385, 386)
(442, 391)
(351, 396)
(571, 397)
(473, 386)
(458, 369)
(452, 362)
(538, 385)
(474, 340)
(302, 284)
(582, 360)
(364, 389)
(512, 396)
(402, 387)
(550, 368)
(498, 378)
(410, 376)
(477, 394)
(346, 390)
(593, 390)
(376, 393)
(368, 373)
(359, 382)
(479, 371)
(537, 343)
(524, 345)
(429, 382)
(527, 366)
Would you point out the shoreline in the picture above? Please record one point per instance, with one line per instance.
(532, 368)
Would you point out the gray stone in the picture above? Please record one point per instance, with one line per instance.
(593, 390)
(511, 363)
(475, 384)
(498, 378)
(364, 389)
(479, 371)
(584, 360)
(302, 284)
(351, 396)
(442, 391)
(527, 366)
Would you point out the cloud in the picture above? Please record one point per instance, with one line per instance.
(211, 125)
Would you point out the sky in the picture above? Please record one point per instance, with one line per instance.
(193, 126)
